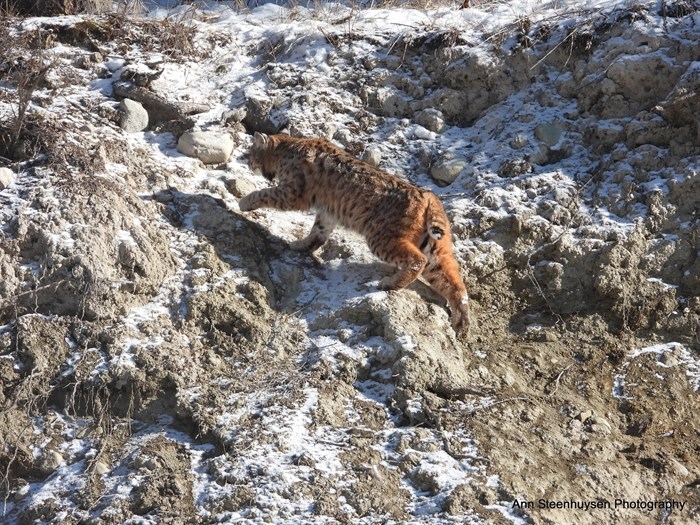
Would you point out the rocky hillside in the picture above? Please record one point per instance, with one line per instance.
(165, 358)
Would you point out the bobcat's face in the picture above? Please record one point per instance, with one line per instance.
(257, 154)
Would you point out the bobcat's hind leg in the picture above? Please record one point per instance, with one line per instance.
(442, 273)
(409, 261)
(318, 236)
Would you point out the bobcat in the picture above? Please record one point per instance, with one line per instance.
(403, 225)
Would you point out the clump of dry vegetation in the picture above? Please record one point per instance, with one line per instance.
(29, 74)
(23, 68)
(52, 7)
(27, 131)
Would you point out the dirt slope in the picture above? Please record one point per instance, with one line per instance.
(165, 358)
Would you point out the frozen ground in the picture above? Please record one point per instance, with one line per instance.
(167, 359)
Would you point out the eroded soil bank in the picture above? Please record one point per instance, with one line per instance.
(165, 358)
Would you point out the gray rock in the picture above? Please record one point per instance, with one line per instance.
(431, 119)
(344, 136)
(656, 74)
(600, 425)
(50, 461)
(101, 468)
(233, 116)
(140, 74)
(88, 128)
(22, 492)
(585, 415)
(509, 378)
(134, 117)
(454, 104)
(328, 130)
(678, 468)
(421, 133)
(514, 168)
(682, 105)
(261, 117)
(519, 141)
(393, 102)
(239, 187)
(548, 132)
(88, 60)
(115, 64)
(210, 147)
(372, 155)
(448, 171)
(7, 177)
(669, 359)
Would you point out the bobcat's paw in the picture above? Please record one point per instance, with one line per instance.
(461, 318)
(387, 283)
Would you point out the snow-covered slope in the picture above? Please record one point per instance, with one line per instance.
(166, 358)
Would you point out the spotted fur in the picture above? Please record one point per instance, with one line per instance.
(403, 225)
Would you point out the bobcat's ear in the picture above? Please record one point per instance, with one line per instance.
(260, 140)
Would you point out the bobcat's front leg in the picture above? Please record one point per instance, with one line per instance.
(321, 230)
(286, 197)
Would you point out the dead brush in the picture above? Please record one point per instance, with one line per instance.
(174, 37)
(26, 69)
(68, 155)
(9, 8)
(679, 8)
(47, 7)
(433, 40)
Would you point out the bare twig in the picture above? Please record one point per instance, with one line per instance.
(500, 402)
(556, 381)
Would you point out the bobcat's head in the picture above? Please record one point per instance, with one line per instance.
(256, 157)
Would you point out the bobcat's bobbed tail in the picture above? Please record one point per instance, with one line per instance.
(435, 223)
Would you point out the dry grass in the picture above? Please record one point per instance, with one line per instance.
(52, 7)
(26, 131)
(24, 67)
